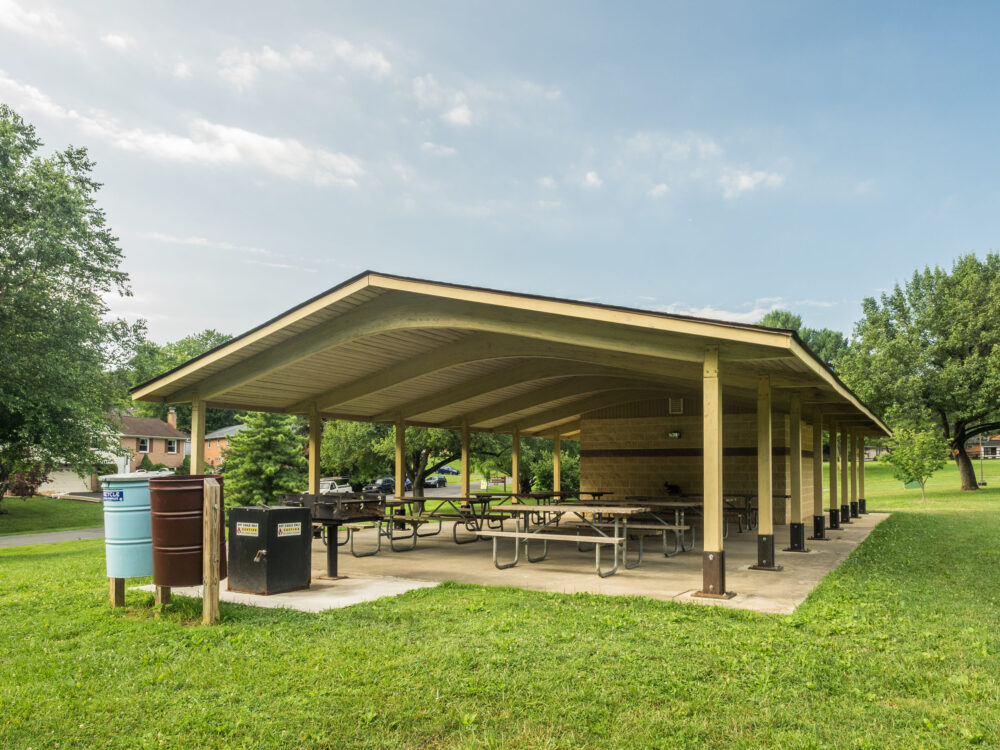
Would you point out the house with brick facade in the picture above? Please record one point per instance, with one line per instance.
(217, 442)
(161, 441)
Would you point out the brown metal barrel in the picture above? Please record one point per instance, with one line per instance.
(176, 512)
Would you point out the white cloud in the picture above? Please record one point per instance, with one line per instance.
(182, 70)
(282, 266)
(547, 182)
(758, 309)
(672, 147)
(460, 115)
(737, 182)
(118, 41)
(435, 149)
(591, 181)
(659, 190)
(205, 143)
(203, 242)
(38, 23)
(241, 68)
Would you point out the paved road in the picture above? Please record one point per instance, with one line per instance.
(76, 535)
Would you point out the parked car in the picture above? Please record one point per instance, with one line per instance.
(334, 486)
(436, 480)
(384, 485)
(448, 470)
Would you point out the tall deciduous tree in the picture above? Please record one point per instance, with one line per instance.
(152, 359)
(828, 344)
(265, 460)
(63, 357)
(928, 353)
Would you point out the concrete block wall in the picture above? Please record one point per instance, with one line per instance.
(634, 455)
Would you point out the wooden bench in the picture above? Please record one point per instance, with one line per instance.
(415, 523)
(618, 542)
(353, 528)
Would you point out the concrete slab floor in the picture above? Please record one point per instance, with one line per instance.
(567, 570)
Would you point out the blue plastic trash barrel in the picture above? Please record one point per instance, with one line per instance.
(128, 537)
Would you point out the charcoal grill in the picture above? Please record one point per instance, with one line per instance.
(334, 510)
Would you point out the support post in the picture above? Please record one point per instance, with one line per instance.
(515, 461)
(713, 570)
(765, 479)
(315, 440)
(465, 463)
(197, 436)
(210, 553)
(862, 504)
(400, 472)
(161, 595)
(854, 475)
(844, 454)
(797, 529)
(834, 468)
(117, 592)
(819, 517)
(557, 463)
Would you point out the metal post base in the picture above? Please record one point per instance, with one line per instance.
(819, 529)
(834, 519)
(765, 553)
(331, 550)
(855, 509)
(862, 506)
(713, 576)
(797, 538)
(845, 513)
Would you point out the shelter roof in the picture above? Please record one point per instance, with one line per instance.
(380, 347)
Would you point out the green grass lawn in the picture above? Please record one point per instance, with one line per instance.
(35, 515)
(899, 647)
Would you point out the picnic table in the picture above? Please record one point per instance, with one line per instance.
(595, 518)
(469, 513)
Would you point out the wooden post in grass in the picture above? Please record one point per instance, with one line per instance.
(117, 592)
(162, 595)
(210, 553)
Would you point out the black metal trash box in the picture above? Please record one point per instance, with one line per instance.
(269, 549)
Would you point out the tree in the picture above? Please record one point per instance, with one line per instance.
(928, 353)
(265, 460)
(353, 450)
(915, 455)
(827, 344)
(152, 359)
(63, 372)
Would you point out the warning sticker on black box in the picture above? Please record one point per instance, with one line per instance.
(244, 528)
(290, 529)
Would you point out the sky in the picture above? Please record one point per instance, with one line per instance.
(717, 159)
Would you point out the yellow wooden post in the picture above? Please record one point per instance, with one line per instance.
(819, 516)
(713, 565)
(197, 436)
(557, 463)
(796, 527)
(834, 505)
(765, 479)
(315, 441)
(117, 592)
(862, 503)
(854, 474)
(515, 460)
(400, 473)
(844, 455)
(465, 490)
(210, 553)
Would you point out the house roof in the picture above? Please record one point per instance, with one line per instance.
(225, 431)
(148, 427)
(381, 348)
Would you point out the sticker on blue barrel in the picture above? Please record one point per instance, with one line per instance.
(290, 529)
(246, 529)
(114, 496)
